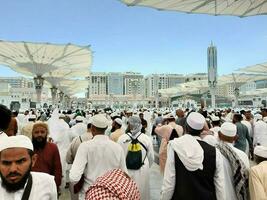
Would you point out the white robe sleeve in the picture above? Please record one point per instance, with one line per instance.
(219, 177)
(169, 176)
(79, 164)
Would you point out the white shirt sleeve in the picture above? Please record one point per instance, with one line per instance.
(168, 185)
(219, 177)
(79, 164)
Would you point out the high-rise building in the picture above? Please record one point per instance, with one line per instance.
(212, 72)
(115, 83)
(212, 65)
(155, 82)
(17, 82)
(97, 84)
(133, 84)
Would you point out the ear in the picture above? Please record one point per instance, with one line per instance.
(34, 159)
(219, 135)
(236, 137)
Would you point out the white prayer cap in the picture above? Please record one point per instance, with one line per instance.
(257, 116)
(260, 151)
(195, 120)
(129, 111)
(19, 141)
(32, 116)
(228, 129)
(79, 118)
(168, 116)
(264, 119)
(100, 121)
(61, 115)
(118, 121)
(114, 114)
(215, 118)
(237, 110)
(247, 110)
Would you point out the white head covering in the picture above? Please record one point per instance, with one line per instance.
(260, 151)
(118, 121)
(228, 129)
(195, 120)
(20, 141)
(264, 119)
(135, 123)
(168, 116)
(215, 118)
(115, 114)
(257, 116)
(61, 115)
(100, 121)
(32, 117)
(189, 152)
(79, 119)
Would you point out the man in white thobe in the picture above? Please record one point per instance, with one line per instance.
(140, 176)
(258, 175)
(227, 135)
(260, 132)
(193, 164)
(97, 156)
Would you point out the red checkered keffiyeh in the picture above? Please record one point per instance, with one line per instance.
(113, 185)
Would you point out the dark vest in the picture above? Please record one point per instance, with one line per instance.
(199, 184)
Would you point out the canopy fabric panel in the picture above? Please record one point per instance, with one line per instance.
(240, 8)
(40, 59)
(258, 68)
(193, 86)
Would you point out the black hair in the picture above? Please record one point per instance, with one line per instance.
(216, 123)
(238, 117)
(89, 125)
(192, 131)
(5, 117)
(259, 159)
(102, 130)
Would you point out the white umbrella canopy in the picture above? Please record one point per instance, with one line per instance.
(40, 59)
(202, 85)
(73, 86)
(258, 68)
(260, 92)
(241, 8)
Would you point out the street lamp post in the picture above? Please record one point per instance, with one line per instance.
(38, 82)
(54, 95)
(236, 94)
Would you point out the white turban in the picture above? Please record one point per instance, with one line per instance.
(19, 141)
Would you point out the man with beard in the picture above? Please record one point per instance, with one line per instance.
(17, 181)
(48, 160)
(116, 130)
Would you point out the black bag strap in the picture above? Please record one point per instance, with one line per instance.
(80, 139)
(28, 188)
(140, 143)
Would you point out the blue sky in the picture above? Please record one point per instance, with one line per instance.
(136, 38)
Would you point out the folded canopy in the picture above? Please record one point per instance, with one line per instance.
(241, 8)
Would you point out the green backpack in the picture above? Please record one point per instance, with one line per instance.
(134, 156)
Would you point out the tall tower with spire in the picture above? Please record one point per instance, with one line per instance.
(212, 71)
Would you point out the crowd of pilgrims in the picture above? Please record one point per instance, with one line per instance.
(203, 154)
